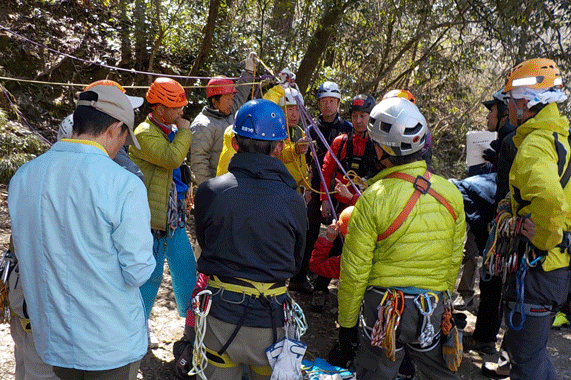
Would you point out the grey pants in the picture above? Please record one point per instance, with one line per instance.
(527, 347)
(248, 348)
(372, 363)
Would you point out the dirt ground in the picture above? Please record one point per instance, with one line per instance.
(168, 328)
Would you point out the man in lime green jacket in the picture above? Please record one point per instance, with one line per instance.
(165, 139)
(540, 200)
(388, 253)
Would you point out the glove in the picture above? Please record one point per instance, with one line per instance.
(452, 348)
(285, 359)
(348, 343)
(251, 62)
(286, 76)
(275, 94)
(490, 155)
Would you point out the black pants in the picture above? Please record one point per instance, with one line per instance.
(490, 311)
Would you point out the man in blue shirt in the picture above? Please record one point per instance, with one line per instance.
(81, 237)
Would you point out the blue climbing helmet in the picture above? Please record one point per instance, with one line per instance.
(260, 119)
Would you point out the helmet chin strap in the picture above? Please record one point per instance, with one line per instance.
(519, 114)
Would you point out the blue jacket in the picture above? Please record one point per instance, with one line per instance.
(80, 225)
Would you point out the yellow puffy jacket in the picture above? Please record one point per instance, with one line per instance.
(424, 252)
(534, 181)
(295, 163)
(157, 158)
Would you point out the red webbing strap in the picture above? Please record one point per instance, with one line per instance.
(421, 186)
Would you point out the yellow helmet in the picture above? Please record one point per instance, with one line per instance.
(535, 73)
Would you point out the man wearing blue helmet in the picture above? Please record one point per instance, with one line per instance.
(250, 224)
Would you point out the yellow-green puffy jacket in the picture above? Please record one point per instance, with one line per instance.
(534, 181)
(424, 252)
(157, 158)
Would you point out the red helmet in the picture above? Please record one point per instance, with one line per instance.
(220, 86)
(168, 92)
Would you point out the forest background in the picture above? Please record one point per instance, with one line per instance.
(450, 54)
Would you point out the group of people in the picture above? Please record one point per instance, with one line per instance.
(92, 224)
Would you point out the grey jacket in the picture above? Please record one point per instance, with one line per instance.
(208, 133)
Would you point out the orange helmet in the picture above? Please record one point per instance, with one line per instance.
(105, 82)
(168, 92)
(220, 86)
(538, 73)
(400, 94)
(344, 219)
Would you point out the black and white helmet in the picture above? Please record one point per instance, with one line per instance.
(328, 89)
(397, 125)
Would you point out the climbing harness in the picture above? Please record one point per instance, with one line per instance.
(422, 186)
(250, 291)
(426, 303)
(200, 306)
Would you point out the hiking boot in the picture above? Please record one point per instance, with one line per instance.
(318, 300)
(499, 369)
(561, 319)
(304, 287)
(484, 348)
(463, 302)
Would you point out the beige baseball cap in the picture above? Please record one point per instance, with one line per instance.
(113, 102)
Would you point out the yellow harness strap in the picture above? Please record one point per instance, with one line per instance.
(248, 287)
(224, 361)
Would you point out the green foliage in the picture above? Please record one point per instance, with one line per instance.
(451, 55)
(16, 148)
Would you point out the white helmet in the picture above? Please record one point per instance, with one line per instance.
(65, 128)
(397, 125)
(289, 98)
(328, 89)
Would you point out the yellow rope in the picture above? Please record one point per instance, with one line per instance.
(84, 85)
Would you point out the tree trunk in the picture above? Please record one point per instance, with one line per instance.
(140, 35)
(207, 39)
(320, 40)
(124, 33)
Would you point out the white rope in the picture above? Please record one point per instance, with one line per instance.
(201, 310)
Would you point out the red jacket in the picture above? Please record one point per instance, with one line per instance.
(329, 168)
(320, 262)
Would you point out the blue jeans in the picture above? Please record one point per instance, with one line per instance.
(182, 265)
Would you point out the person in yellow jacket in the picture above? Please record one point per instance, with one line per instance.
(293, 154)
(403, 250)
(540, 203)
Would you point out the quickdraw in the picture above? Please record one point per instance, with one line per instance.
(426, 303)
(295, 324)
(446, 322)
(506, 246)
(390, 310)
(200, 305)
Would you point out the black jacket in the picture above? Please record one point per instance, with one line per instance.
(251, 222)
